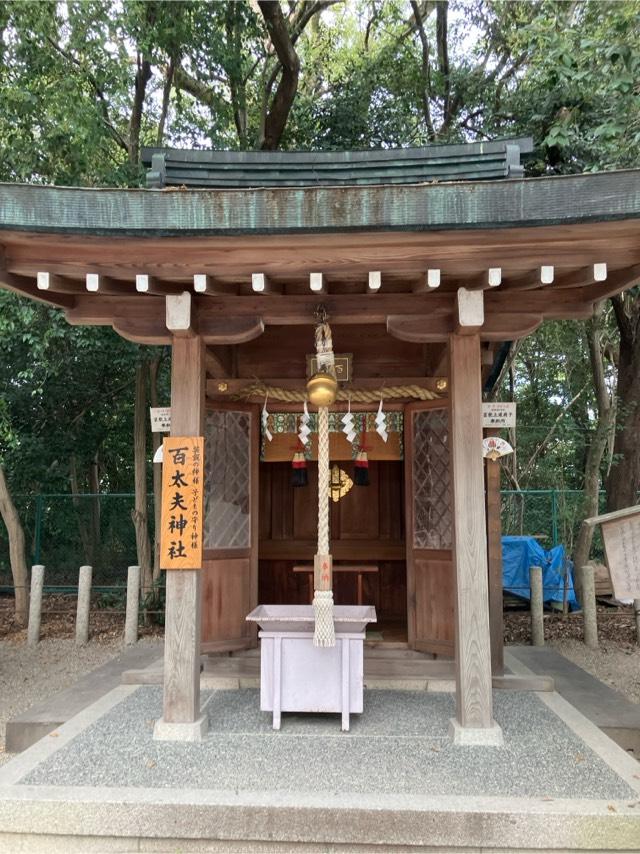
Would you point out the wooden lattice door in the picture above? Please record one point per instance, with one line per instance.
(430, 582)
(230, 571)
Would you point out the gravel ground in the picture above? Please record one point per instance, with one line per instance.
(400, 745)
(616, 666)
(30, 675)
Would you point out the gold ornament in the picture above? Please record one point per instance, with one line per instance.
(339, 484)
(322, 389)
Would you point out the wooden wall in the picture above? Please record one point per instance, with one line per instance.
(367, 526)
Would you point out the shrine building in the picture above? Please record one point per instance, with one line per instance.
(425, 263)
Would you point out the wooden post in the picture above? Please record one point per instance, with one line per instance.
(494, 556)
(84, 604)
(181, 718)
(474, 722)
(133, 600)
(536, 605)
(589, 611)
(35, 605)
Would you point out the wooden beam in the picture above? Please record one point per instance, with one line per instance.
(230, 330)
(234, 386)
(498, 326)
(203, 284)
(474, 706)
(50, 282)
(24, 287)
(470, 314)
(181, 697)
(178, 315)
(219, 362)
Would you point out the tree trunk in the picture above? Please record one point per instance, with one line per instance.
(624, 479)
(82, 511)
(17, 557)
(599, 441)
(139, 513)
(282, 101)
(157, 469)
(94, 489)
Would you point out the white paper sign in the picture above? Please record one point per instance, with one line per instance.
(160, 419)
(498, 414)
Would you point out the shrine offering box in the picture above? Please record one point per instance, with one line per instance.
(296, 676)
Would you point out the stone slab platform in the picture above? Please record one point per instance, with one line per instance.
(393, 783)
(608, 709)
(41, 718)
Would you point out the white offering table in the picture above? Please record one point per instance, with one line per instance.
(296, 676)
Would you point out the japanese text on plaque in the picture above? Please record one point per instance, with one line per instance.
(182, 507)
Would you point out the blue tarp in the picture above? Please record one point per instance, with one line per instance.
(520, 553)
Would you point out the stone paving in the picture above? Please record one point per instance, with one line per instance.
(399, 745)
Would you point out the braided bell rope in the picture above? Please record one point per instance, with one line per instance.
(323, 481)
(355, 395)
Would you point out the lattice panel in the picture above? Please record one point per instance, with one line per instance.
(227, 465)
(431, 480)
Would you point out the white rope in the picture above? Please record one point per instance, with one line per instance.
(324, 631)
(323, 481)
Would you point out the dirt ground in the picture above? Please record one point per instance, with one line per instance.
(30, 675)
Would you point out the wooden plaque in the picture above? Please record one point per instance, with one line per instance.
(622, 545)
(182, 504)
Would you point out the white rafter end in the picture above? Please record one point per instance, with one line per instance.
(258, 282)
(599, 272)
(546, 275)
(43, 281)
(494, 276)
(200, 283)
(375, 280)
(433, 278)
(142, 283)
(316, 282)
(92, 282)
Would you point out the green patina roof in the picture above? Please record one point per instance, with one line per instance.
(406, 207)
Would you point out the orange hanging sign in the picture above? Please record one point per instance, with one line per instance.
(182, 504)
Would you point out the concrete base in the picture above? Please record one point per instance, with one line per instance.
(183, 731)
(287, 791)
(475, 736)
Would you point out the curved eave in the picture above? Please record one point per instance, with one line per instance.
(418, 207)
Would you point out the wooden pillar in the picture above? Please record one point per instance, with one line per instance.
(182, 719)
(474, 722)
(494, 555)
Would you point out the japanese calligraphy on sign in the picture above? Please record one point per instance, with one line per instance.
(622, 545)
(160, 419)
(496, 414)
(182, 505)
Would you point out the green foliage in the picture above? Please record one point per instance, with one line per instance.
(372, 74)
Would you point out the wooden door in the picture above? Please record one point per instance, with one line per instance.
(430, 581)
(230, 570)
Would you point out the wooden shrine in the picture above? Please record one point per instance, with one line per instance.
(425, 268)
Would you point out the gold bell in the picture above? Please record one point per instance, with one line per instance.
(322, 389)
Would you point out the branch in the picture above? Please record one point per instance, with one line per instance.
(443, 56)
(104, 107)
(552, 430)
(622, 319)
(426, 71)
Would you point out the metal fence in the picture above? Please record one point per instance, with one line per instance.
(64, 531)
(553, 516)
